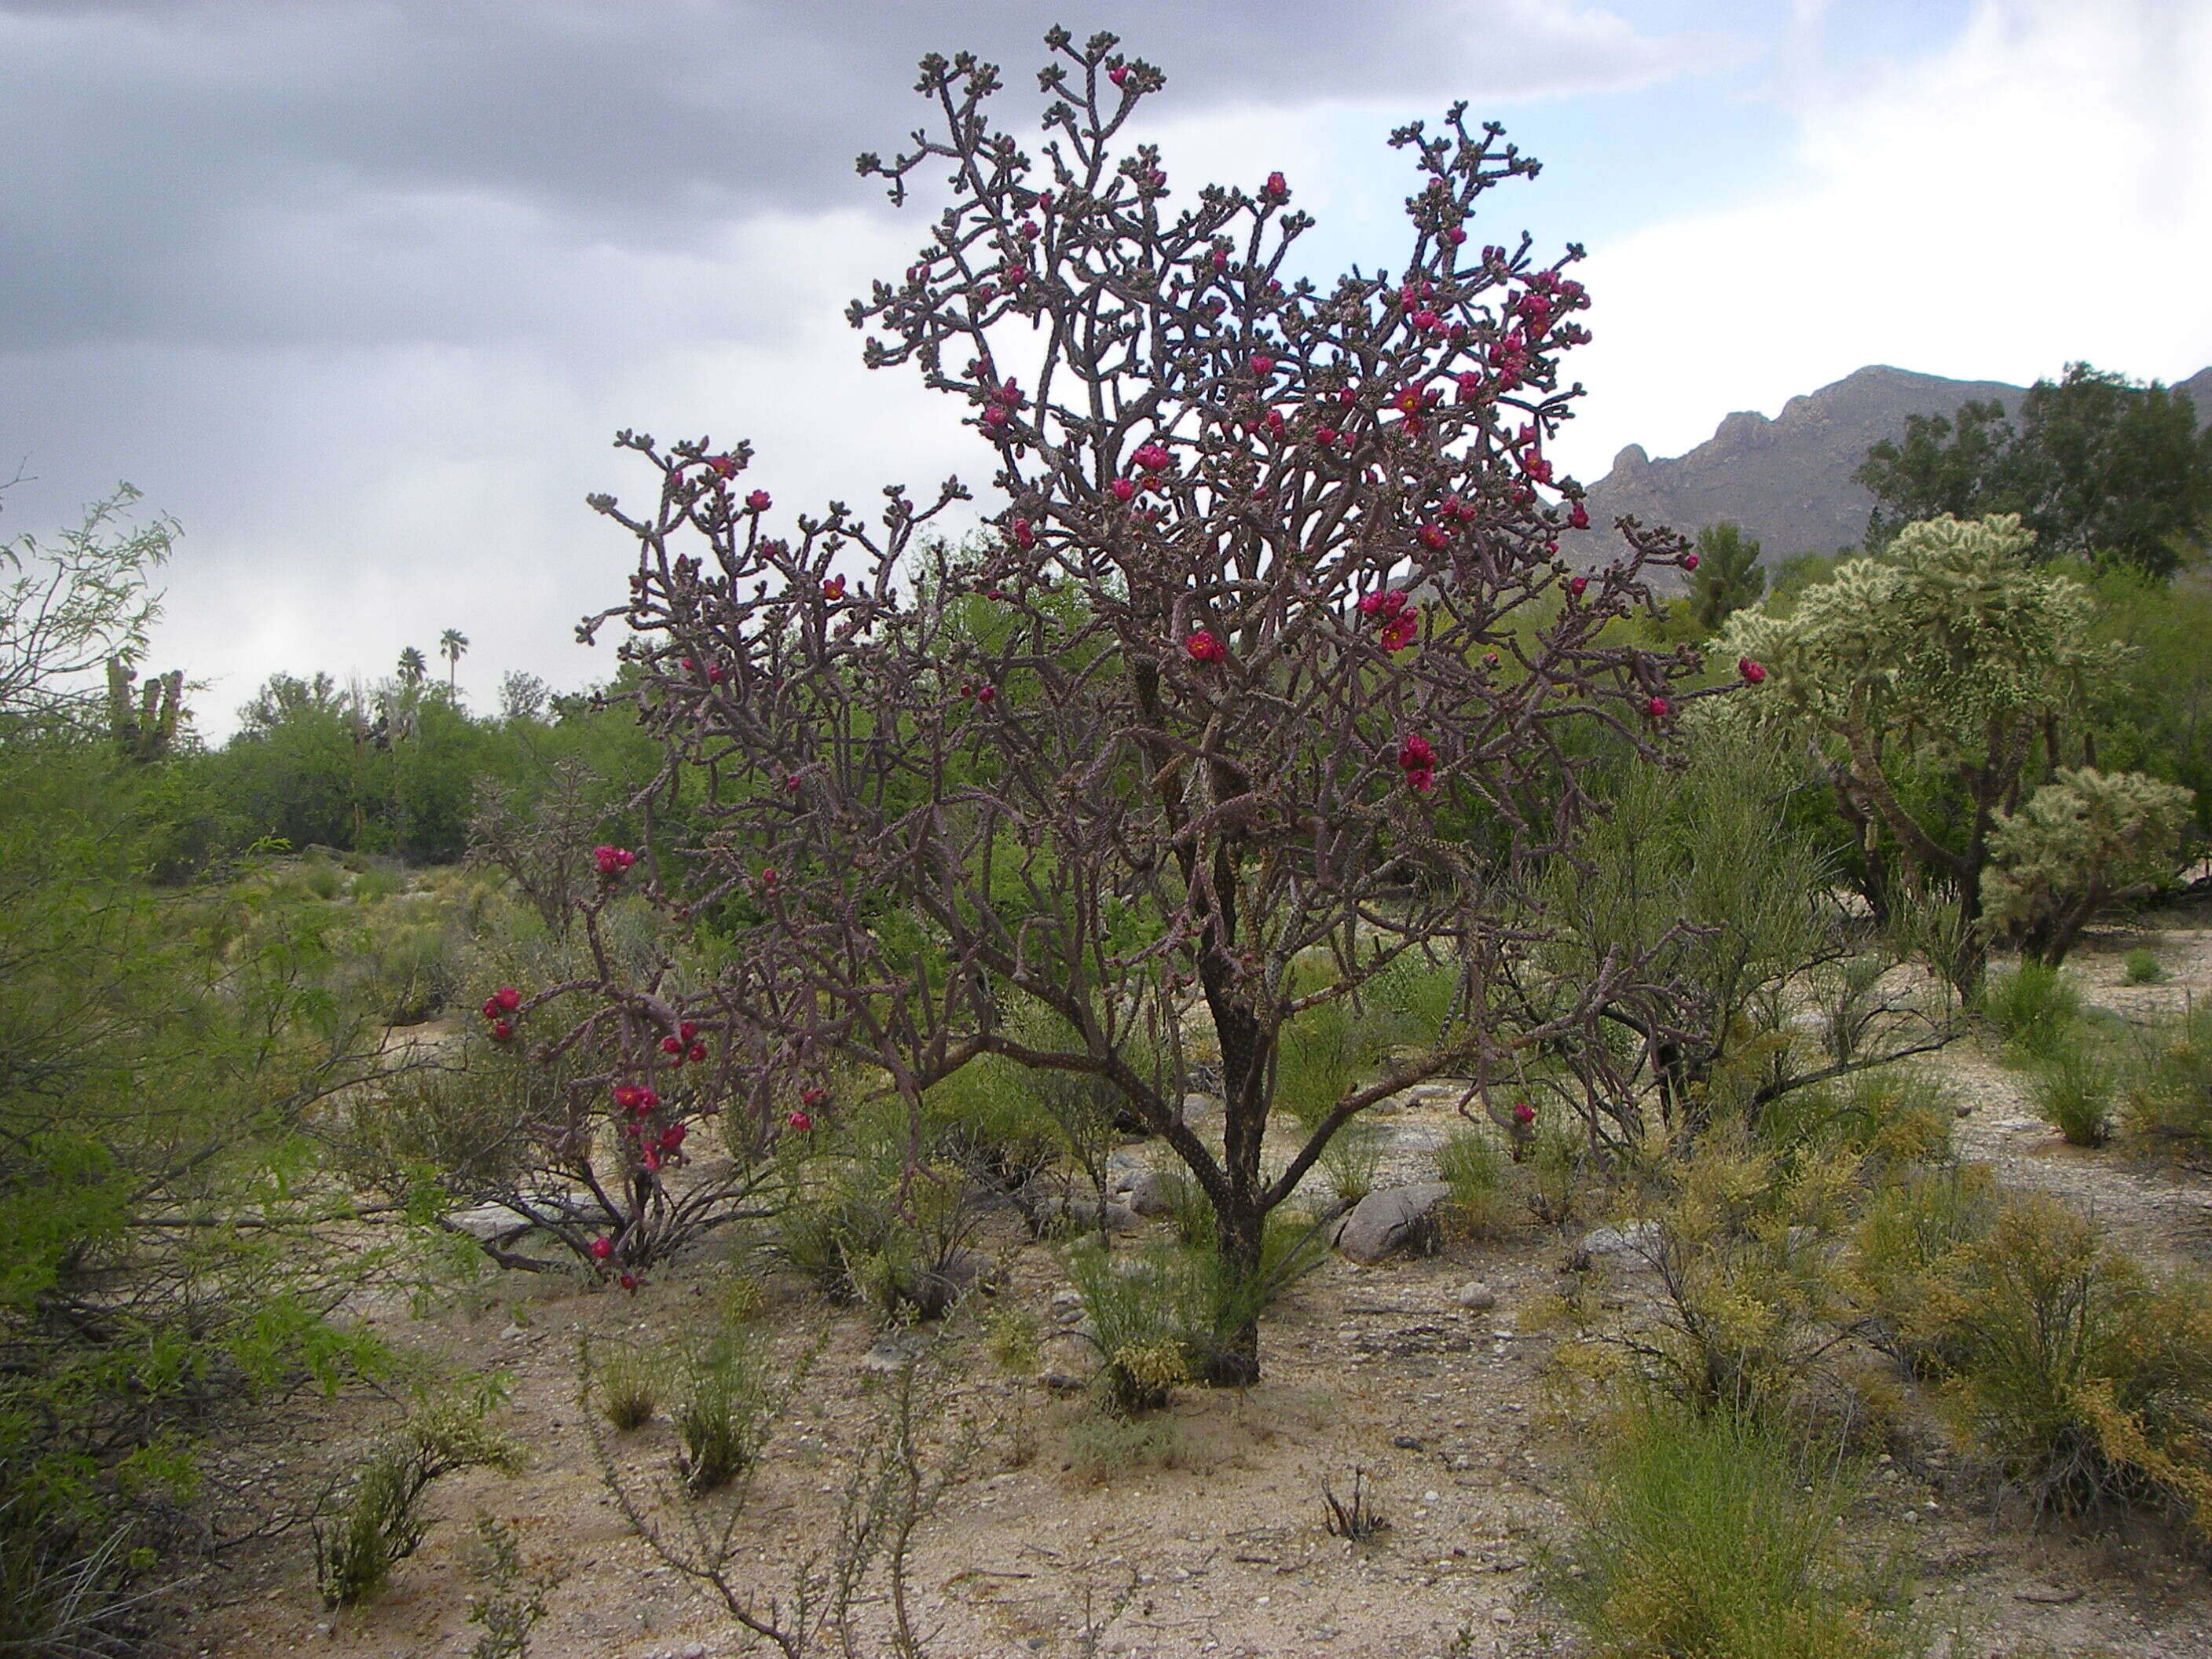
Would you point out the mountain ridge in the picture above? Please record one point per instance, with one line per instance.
(1788, 481)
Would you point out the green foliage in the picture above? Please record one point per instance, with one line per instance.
(1474, 1166)
(2072, 1088)
(2165, 1087)
(2141, 967)
(1906, 1251)
(867, 1226)
(1741, 1240)
(381, 1522)
(70, 605)
(513, 1599)
(721, 1410)
(1712, 878)
(2079, 842)
(2099, 467)
(1099, 1446)
(2036, 1009)
(1719, 1537)
(1141, 1305)
(628, 1384)
(1728, 578)
(2082, 1376)
(2154, 713)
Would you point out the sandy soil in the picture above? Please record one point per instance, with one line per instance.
(1445, 1407)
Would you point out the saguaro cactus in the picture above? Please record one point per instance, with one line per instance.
(143, 725)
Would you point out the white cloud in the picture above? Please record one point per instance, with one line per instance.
(2038, 191)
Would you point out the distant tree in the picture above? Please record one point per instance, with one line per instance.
(412, 668)
(2098, 467)
(1959, 467)
(1728, 577)
(453, 645)
(522, 697)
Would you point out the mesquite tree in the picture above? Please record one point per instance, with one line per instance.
(1273, 601)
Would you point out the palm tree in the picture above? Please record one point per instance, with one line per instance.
(450, 644)
(412, 668)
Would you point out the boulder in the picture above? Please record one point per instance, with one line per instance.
(1394, 1221)
(1148, 1193)
(1475, 1297)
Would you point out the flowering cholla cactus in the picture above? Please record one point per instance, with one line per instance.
(2075, 844)
(1952, 651)
(1269, 659)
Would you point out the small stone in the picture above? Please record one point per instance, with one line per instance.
(1476, 1296)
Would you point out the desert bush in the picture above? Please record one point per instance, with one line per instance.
(1720, 1536)
(867, 1226)
(514, 1599)
(1141, 1305)
(1952, 657)
(1743, 1244)
(2035, 1008)
(2073, 1089)
(721, 1410)
(381, 1522)
(2166, 1083)
(1907, 1250)
(2081, 1375)
(2141, 967)
(1098, 1446)
(464, 1130)
(1353, 1159)
(1473, 1164)
(626, 1385)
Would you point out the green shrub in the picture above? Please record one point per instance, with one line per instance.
(375, 884)
(468, 1129)
(628, 1383)
(2141, 967)
(1711, 1536)
(2079, 1374)
(1474, 1166)
(1906, 1249)
(323, 880)
(382, 1520)
(720, 1413)
(2033, 1008)
(1141, 1304)
(1352, 1158)
(2166, 1086)
(1096, 1448)
(866, 1229)
(2074, 1089)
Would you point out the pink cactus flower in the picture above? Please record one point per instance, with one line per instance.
(758, 502)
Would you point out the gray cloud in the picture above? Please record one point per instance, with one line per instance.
(189, 171)
(357, 289)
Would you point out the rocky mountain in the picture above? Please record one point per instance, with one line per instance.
(1788, 481)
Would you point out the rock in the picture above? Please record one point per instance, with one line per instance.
(1149, 1193)
(894, 1353)
(1638, 1238)
(1475, 1297)
(930, 1292)
(1396, 1220)
(1082, 1214)
(1066, 1306)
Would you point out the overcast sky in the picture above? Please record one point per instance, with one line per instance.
(358, 290)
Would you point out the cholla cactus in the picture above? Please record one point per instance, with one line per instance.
(2077, 843)
(1272, 622)
(1953, 651)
